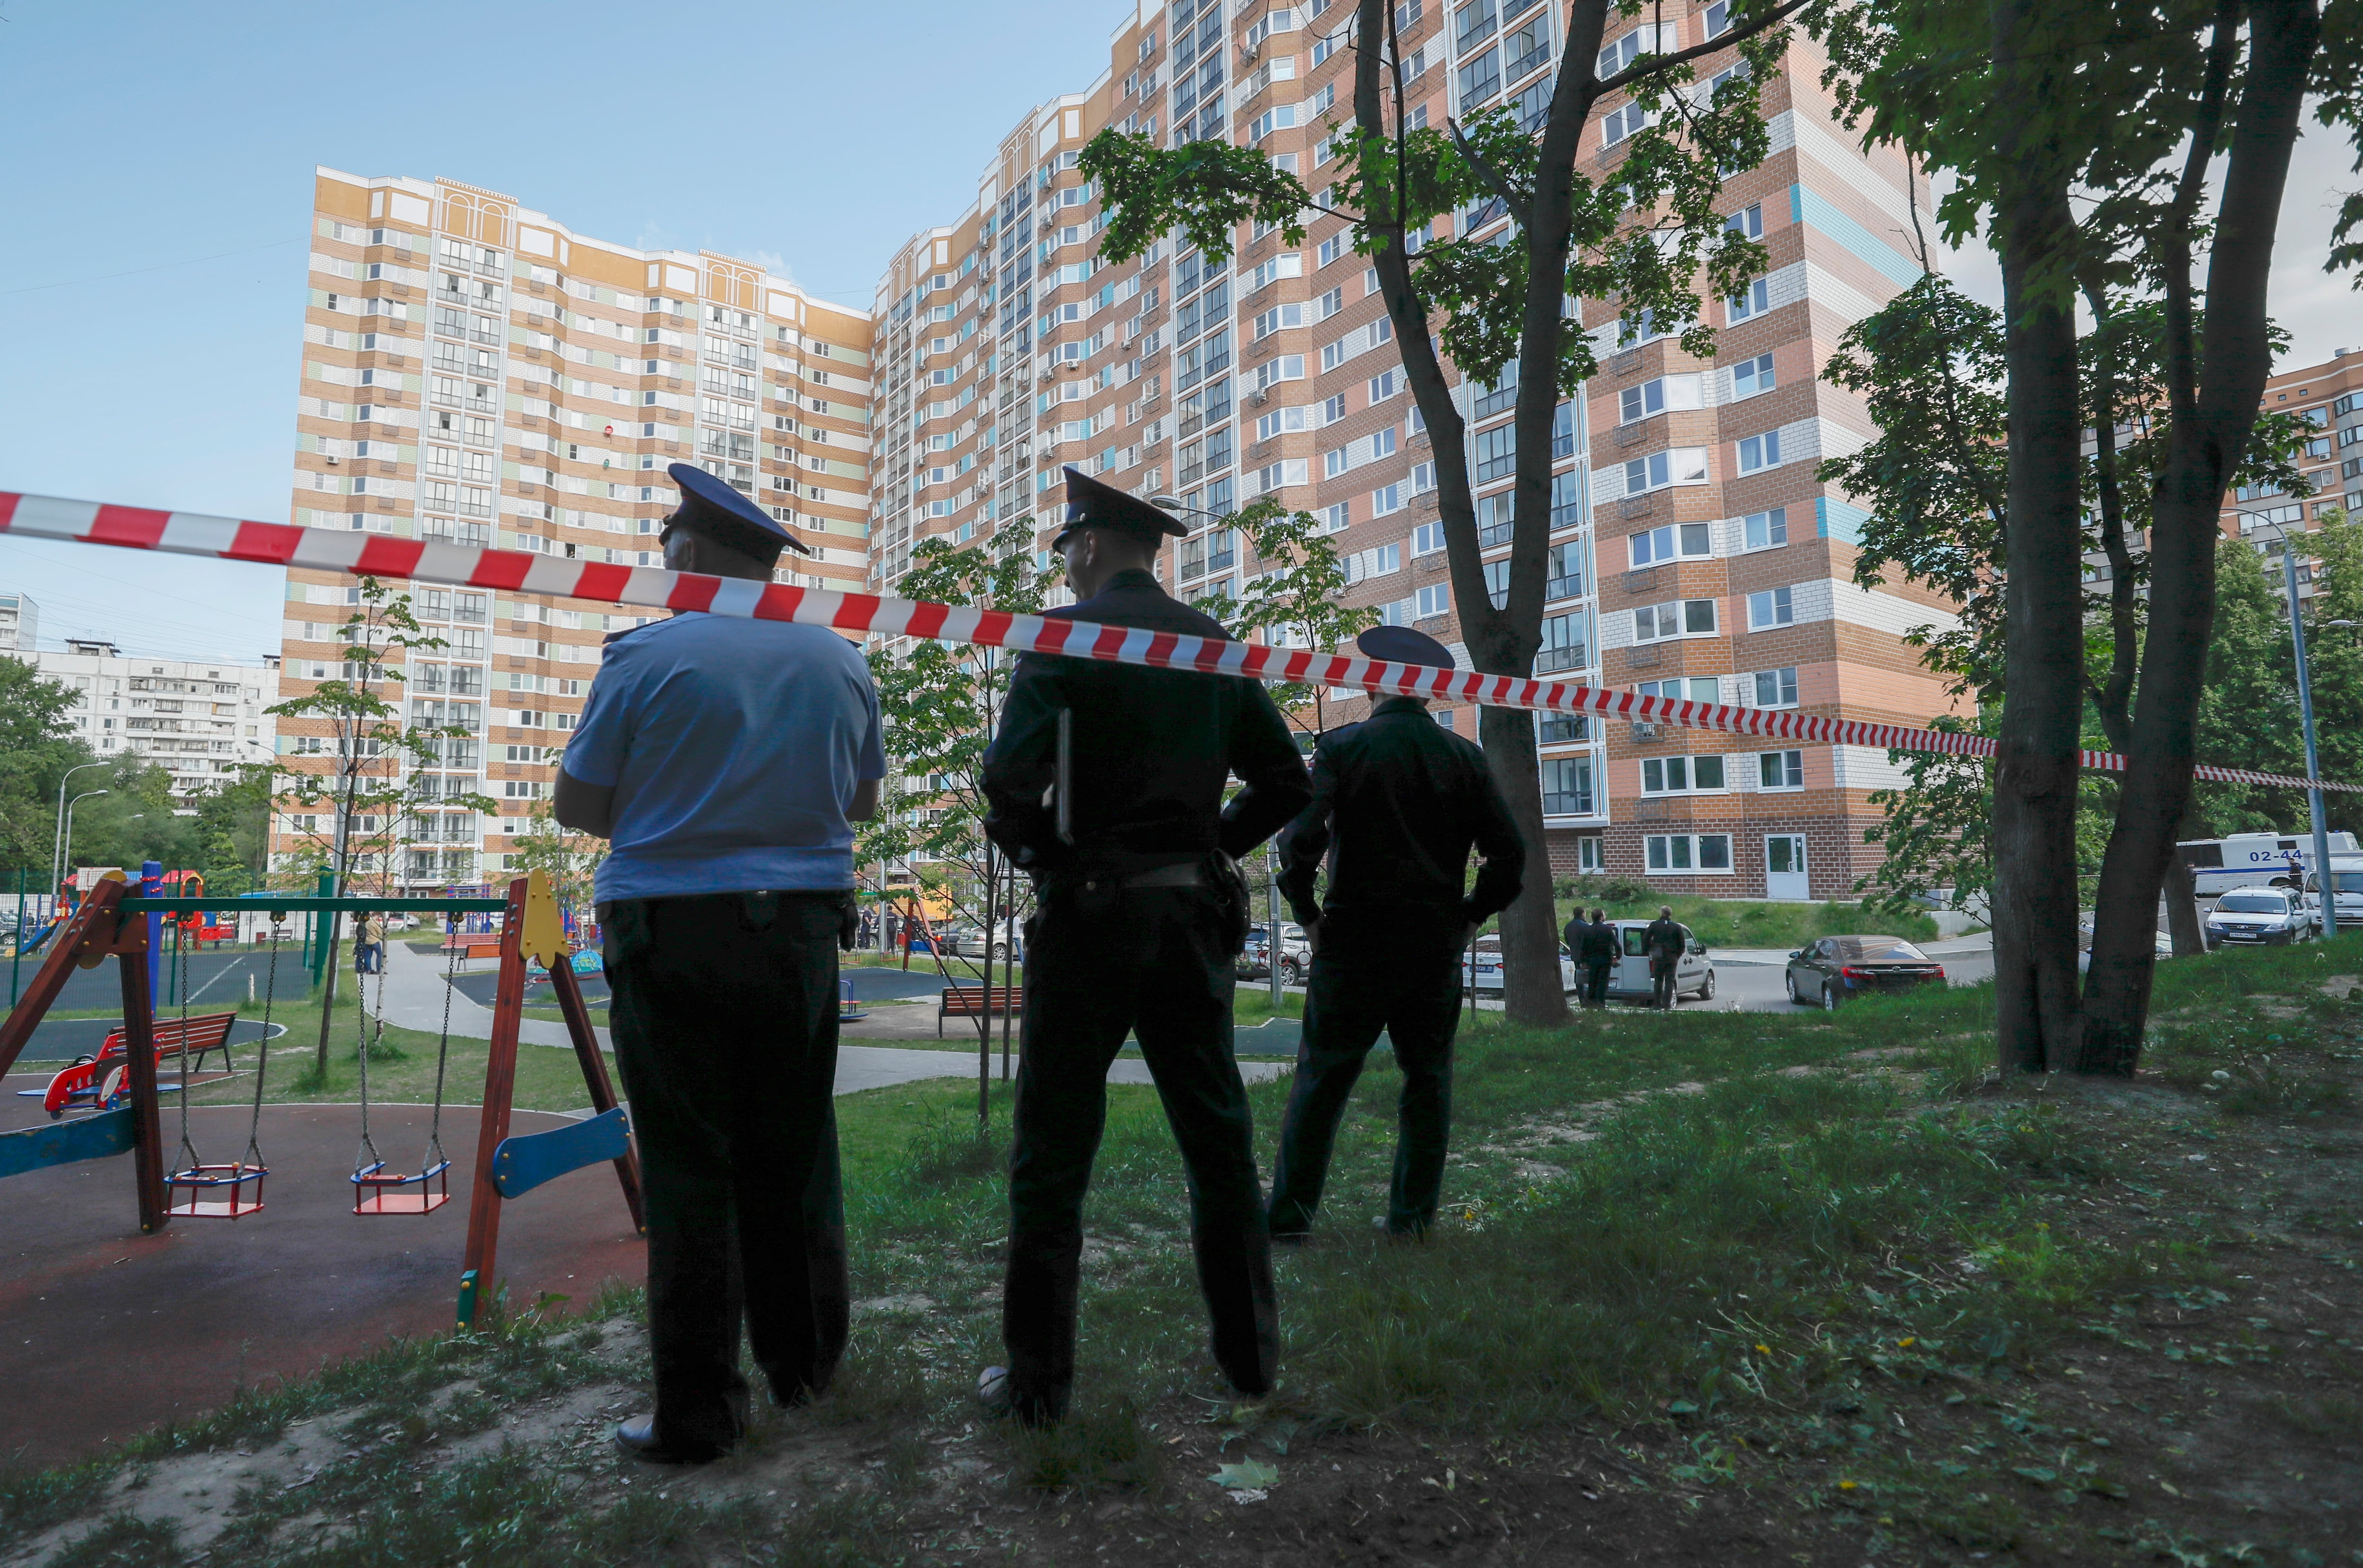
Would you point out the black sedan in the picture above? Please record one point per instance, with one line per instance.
(1829, 971)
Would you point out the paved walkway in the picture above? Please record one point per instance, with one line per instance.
(415, 993)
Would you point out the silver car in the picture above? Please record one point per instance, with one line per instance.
(2249, 916)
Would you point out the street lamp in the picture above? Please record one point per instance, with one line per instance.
(57, 833)
(1173, 503)
(65, 825)
(2305, 716)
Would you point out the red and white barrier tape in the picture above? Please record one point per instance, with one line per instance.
(377, 555)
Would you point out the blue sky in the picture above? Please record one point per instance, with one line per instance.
(148, 135)
(175, 143)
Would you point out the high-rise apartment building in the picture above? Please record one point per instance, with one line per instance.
(1693, 553)
(199, 719)
(477, 371)
(2329, 397)
(20, 623)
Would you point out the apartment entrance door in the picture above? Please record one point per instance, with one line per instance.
(1784, 866)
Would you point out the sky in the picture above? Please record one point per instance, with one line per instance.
(158, 187)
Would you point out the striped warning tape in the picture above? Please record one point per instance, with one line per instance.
(377, 555)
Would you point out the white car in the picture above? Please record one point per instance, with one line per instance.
(1482, 968)
(1629, 981)
(2252, 916)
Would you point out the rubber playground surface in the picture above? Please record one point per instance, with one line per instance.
(108, 1332)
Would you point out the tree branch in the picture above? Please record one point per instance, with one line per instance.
(1501, 187)
(2174, 243)
(1651, 65)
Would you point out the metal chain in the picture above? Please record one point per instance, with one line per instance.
(253, 1156)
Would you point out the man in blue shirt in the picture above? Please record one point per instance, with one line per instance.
(724, 760)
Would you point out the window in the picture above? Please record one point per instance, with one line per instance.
(1671, 541)
(1332, 248)
(1384, 386)
(1435, 599)
(1682, 775)
(1689, 853)
(1750, 377)
(1630, 48)
(1762, 530)
(1563, 645)
(1624, 121)
(1563, 572)
(1497, 453)
(1568, 501)
(1277, 317)
(1757, 453)
(1481, 79)
(1771, 606)
(1279, 420)
(1678, 465)
(1497, 581)
(1770, 689)
(1695, 688)
(1567, 785)
(1718, 18)
(1687, 618)
(1334, 520)
(1749, 303)
(1657, 396)
(1378, 562)
(1781, 770)
(1497, 516)
(1747, 223)
(1427, 538)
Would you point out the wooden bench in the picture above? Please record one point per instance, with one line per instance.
(84, 1083)
(976, 1001)
(475, 947)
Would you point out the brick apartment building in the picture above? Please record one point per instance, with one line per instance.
(476, 371)
(2329, 397)
(1693, 552)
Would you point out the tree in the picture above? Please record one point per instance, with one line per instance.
(1645, 235)
(569, 860)
(1296, 598)
(372, 790)
(2129, 109)
(938, 701)
(37, 746)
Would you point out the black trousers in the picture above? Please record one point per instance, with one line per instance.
(1398, 973)
(1661, 981)
(1153, 962)
(1595, 983)
(724, 1014)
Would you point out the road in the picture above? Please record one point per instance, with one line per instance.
(1760, 988)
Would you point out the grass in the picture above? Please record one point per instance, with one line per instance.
(1740, 923)
(1826, 1268)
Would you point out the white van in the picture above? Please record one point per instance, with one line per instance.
(2255, 859)
(2347, 889)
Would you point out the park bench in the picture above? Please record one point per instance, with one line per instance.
(85, 1082)
(973, 1001)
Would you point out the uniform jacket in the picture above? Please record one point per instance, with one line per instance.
(1665, 939)
(1588, 943)
(1402, 800)
(1151, 750)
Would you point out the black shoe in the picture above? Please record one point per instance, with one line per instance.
(637, 1437)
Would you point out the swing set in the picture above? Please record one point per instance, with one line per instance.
(119, 920)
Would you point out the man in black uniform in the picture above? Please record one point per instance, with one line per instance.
(1404, 801)
(1597, 958)
(1141, 914)
(1664, 942)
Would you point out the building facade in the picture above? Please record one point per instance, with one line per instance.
(476, 371)
(2328, 396)
(199, 719)
(1693, 553)
(20, 623)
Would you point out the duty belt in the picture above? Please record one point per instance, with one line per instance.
(1185, 875)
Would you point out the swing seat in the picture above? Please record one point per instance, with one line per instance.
(377, 1191)
(215, 1192)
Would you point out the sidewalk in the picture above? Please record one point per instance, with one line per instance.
(415, 998)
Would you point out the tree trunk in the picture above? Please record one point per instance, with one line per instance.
(2035, 772)
(2182, 908)
(2203, 448)
(1531, 991)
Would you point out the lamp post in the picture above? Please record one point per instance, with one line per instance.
(57, 833)
(2305, 717)
(65, 825)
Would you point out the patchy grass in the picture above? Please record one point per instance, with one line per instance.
(1716, 1287)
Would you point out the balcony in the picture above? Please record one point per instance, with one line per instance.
(1495, 536)
(1551, 660)
(1569, 587)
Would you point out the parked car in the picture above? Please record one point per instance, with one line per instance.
(1827, 971)
(1296, 954)
(1482, 968)
(2252, 916)
(1630, 982)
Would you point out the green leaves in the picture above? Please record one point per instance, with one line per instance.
(1206, 189)
(1297, 594)
(1247, 1475)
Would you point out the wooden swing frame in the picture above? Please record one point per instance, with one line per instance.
(120, 920)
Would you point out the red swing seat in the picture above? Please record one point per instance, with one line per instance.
(377, 1191)
(215, 1192)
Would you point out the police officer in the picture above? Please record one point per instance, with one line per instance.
(1597, 958)
(1664, 940)
(1401, 801)
(1141, 914)
(725, 759)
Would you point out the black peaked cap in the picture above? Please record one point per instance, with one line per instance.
(1092, 505)
(711, 507)
(1403, 645)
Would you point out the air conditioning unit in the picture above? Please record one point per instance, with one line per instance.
(1648, 730)
(1261, 394)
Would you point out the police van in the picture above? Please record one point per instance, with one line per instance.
(2255, 860)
